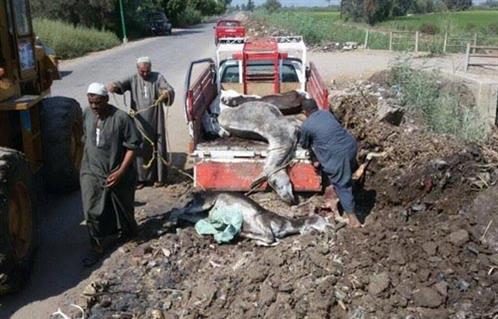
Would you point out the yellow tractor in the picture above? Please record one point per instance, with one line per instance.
(40, 139)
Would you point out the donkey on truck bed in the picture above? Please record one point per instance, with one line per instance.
(264, 120)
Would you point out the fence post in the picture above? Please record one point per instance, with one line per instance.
(445, 43)
(366, 40)
(475, 43)
(416, 41)
(390, 41)
(467, 57)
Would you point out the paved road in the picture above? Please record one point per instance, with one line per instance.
(58, 262)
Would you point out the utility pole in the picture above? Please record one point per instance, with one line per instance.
(123, 25)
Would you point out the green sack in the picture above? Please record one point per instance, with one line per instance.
(225, 223)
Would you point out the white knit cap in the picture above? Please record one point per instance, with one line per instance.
(144, 59)
(97, 89)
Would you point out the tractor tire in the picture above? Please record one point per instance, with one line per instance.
(62, 129)
(18, 223)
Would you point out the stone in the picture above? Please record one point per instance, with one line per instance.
(378, 283)
(442, 288)
(397, 255)
(430, 248)
(459, 237)
(427, 297)
(267, 295)
(493, 259)
(390, 114)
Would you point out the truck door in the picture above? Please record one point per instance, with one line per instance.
(316, 87)
(200, 91)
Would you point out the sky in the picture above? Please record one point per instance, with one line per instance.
(288, 3)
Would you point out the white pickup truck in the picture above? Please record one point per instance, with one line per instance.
(251, 67)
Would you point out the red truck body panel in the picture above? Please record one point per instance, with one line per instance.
(229, 29)
(239, 175)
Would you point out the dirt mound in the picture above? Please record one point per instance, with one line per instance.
(422, 253)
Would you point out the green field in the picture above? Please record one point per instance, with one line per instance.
(465, 21)
(69, 41)
(326, 26)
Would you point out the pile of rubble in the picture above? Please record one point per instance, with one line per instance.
(422, 254)
(258, 29)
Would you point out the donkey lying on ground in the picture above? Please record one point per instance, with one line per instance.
(264, 226)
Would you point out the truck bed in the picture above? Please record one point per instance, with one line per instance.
(235, 147)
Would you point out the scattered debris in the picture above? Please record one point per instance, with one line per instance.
(412, 260)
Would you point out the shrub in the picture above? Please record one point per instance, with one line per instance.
(441, 112)
(69, 41)
(429, 28)
(189, 17)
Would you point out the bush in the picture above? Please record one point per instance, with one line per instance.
(69, 41)
(189, 17)
(441, 112)
(429, 28)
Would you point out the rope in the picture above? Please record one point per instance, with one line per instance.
(265, 177)
(155, 154)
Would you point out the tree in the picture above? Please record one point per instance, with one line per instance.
(272, 5)
(458, 5)
(400, 7)
(250, 5)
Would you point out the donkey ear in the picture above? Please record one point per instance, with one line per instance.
(260, 180)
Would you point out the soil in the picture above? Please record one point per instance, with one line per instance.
(424, 252)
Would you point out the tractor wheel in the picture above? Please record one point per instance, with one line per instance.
(18, 224)
(62, 129)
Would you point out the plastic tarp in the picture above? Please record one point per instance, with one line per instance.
(224, 223)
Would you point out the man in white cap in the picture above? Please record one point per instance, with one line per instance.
(149, 92)
(107, 175)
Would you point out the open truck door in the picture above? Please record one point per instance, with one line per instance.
(199, 94)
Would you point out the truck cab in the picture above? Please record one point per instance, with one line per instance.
(250, 67)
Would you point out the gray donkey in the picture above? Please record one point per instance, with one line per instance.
(261, 120)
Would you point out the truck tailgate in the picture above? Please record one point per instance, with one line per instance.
(239, 174)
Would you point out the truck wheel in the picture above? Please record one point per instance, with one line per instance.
(62, 129)
(18, 225)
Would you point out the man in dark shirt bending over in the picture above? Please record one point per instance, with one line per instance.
(335, 149)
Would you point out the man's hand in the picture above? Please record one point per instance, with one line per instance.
(2, 72)
(112, 87)
(114, 178)
(164, 97)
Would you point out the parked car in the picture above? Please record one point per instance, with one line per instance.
(158, 23)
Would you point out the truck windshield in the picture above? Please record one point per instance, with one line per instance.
(231, 72)
(156, 17)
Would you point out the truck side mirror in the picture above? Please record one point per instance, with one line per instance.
(308, 72)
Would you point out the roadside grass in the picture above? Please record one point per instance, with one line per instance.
(442, 110)
(326, 26)
(69, 41)
(460, 22)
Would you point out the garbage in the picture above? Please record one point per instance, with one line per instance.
(410, 265)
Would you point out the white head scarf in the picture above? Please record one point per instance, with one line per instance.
(144, 59)
(97, 89)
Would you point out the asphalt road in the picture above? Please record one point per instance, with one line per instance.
(57, 267)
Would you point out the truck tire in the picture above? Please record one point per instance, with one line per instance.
(61, 128)
(18, 223)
